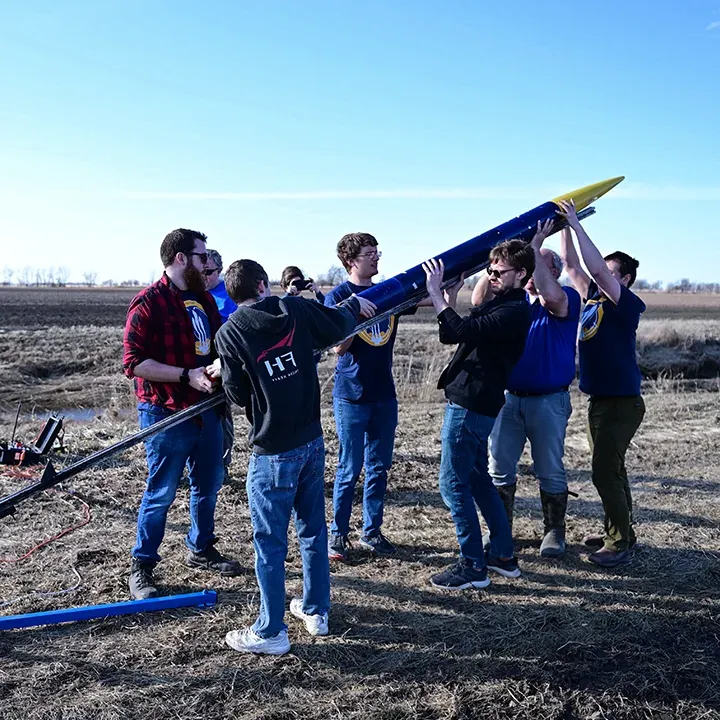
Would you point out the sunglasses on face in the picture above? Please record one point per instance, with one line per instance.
(203, 256)
(492, 272)
(208, 273)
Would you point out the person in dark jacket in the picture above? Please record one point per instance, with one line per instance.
(490, 340)
(267, 366)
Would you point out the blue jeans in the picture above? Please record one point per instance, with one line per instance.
(543, 420)
(366, 434)
(278, 486)
(465, 482)
(197, 444)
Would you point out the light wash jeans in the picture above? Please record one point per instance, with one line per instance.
(465, 483)
(366, 435)
(197, 443)
(543, 420)
(278, 486)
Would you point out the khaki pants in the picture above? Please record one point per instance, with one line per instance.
(612, 423)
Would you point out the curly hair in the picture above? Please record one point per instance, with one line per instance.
(350, 245)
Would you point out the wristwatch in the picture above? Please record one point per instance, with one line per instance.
(185, 377)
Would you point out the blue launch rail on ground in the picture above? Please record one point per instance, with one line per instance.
(204, 599)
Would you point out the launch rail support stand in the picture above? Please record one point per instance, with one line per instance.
(204, 599)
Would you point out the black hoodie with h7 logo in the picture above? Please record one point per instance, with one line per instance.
(266, 351)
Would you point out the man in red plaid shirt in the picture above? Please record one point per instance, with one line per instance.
(168, 344)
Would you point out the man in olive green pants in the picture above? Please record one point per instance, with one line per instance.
(612, 422)
(610, 375)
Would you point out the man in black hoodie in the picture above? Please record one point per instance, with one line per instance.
(490, 340)
(267, 366)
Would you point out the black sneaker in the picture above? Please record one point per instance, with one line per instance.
(508, 568)
(338, 547)
(378, 545)
(142, 583)
(211, 559)
(461, 576)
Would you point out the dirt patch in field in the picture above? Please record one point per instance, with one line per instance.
(564, 641)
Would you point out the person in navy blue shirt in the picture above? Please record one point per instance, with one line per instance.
(537, 403)
(366, 408)
(610, 375)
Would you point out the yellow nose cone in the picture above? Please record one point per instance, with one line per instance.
(587, 195)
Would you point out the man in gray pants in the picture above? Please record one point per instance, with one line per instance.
(537, 403)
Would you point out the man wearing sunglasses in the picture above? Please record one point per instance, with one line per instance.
(216, 285)
(168, 345)
(226, 307)
(490, 341)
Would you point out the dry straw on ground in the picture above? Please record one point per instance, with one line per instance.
(565, 641)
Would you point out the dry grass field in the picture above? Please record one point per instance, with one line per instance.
(566, 641)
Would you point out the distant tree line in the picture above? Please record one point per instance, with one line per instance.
(334, 275)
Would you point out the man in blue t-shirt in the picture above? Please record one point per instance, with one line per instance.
(216, 286)
(609, 374)
(537, 403)
(366, 408)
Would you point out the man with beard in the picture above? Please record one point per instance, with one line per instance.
(168, 344)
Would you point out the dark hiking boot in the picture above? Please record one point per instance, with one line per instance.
(142, 582)
(461, 576)
(211, 559)
(507, 495)
(598, 541)
(554, 507)
(378, 545)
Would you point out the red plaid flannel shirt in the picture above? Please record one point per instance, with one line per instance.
(158, 327)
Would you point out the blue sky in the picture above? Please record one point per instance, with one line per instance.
(277, 127)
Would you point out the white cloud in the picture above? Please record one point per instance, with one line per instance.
(713, 25)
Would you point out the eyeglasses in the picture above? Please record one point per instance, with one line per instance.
(203, 256)
(372, 255)
(209, 272)
(492, 272)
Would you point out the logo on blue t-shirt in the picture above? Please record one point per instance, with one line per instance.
(379, 333)
(200, 325)
(592, 318)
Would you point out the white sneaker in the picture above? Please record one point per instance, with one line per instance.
(248, 641)
(315, 624)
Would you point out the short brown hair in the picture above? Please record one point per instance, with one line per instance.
(350, 245)
(290, 272)
(627, 265)
(242, 279)
(517, 254)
